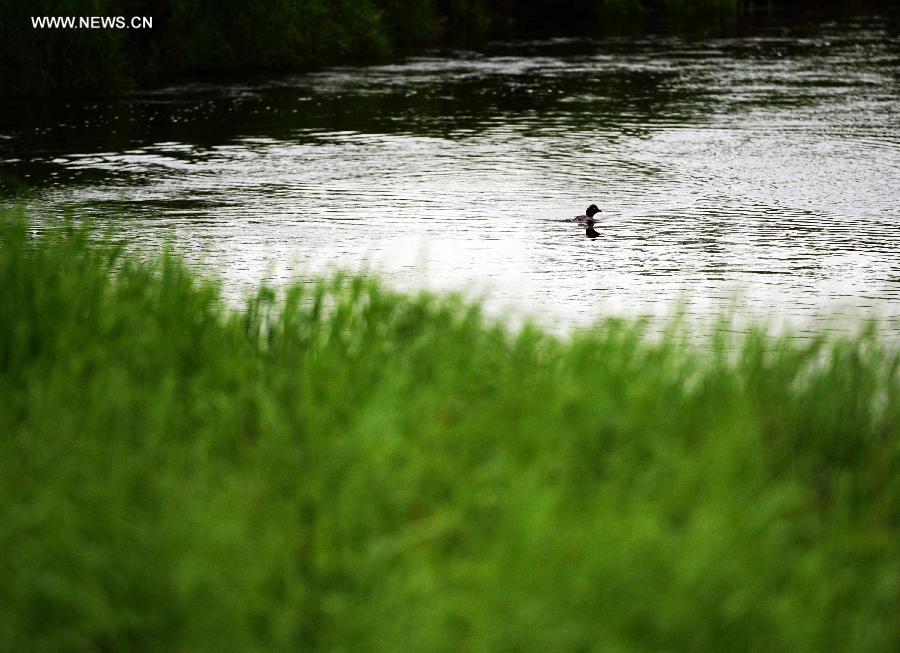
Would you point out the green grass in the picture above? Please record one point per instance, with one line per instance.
(347, 468)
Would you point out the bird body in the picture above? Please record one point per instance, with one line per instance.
(589, 214)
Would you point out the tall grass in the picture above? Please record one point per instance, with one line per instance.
(351, 469)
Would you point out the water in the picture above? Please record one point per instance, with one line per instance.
(757, 174)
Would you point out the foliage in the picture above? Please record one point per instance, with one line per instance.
(348, 468)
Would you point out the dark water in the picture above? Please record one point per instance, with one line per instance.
(759, 174)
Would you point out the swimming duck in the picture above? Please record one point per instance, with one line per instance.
(589, 214)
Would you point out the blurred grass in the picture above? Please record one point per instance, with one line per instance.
(348, 468)
(191, 37)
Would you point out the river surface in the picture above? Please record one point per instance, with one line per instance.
(758, 175)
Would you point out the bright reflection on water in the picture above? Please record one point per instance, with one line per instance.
(761, 174)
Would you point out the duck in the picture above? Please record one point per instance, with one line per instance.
(589, 214)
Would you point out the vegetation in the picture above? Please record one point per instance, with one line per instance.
(348, 468)
(193, 36)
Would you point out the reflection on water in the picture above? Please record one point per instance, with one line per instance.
(764, 168)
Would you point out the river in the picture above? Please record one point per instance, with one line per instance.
(757, 175)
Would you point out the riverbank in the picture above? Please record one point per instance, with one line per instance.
(352, 468)
(190, 38)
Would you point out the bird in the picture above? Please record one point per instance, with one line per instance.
(589, 214)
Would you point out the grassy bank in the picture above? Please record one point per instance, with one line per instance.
(354, 469)
(240, 36)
